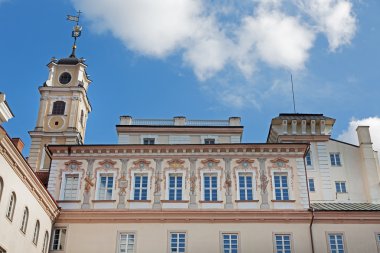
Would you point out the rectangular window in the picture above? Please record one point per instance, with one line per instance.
(230, 243)
(308, 159)
(127, 243)
(311, 185)
(148, 141)
(175, 187)
(335, 159)
(245, 186)
(283, 243)
(209, 141)
(105, 187)
(336, 243)
(141, 187)
(70, 189)
(58, 239)
(177, 242)
(281, 189)
(340, 187)
(210, 187)
(378, 242)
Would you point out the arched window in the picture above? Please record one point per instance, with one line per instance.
(81, 117)
(45, 245)
(11, 206)
(1, 187)
(25, 218)
(36, 232)
(58, 108)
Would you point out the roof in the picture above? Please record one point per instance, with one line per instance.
(345, 207)
(303, 116)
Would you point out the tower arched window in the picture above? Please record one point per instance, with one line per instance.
(1, 187)
(59, 108)
(46, 242)
(11, 206)
(25, 218)
(36, 232)
(81, 117)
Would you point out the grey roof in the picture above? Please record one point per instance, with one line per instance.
(301, 116)
(345, 207)
(69, 61)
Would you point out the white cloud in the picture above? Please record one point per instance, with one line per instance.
(215, 36)
(335, 18)
(349, 135)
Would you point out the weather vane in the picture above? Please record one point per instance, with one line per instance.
(77, 30)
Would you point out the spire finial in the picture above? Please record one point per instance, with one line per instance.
(77, 30)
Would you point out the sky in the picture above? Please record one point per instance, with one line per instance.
(200, 59)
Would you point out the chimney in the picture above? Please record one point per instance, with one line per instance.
(125, 120)
(18, 144)
(234, 121)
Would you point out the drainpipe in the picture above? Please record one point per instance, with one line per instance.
(308, 197)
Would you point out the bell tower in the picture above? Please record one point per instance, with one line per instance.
(64, 106)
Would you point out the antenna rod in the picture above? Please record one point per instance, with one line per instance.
(294, 101)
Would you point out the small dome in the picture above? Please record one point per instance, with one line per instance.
(69, 61)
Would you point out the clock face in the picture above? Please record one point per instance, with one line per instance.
(65, 78)
(56, 122)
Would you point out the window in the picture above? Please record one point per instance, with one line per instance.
(148, 141)
(281, 186)
(25, 218)
(59, 108)
(11, 206)
(311, 185)
(378, 242)
(71, 187)
(141, 187)
(230, 243)
(105, 186)
(209, 141)
(308, 159)
(81, 117)
(2, 250)
(245, 186)
(177, 242)
(1, 189)
(283, 243)
(58, 240)
(210, 187)
(340, 187)
(45, 245)
(36, 232)
(336, 244)
(175, 187)
(335, 159)
(127, 243)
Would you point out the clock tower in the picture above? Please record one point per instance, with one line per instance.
(63, 109)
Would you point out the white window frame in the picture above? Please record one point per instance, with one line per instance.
(65, 175)
(132, 192)
(45, 245)
(98, 179)
(1, 187)
(128, 233)
(340, 186)
(217, 172)
(177, 173)
(221, 239)
(308, 184)
(288, 175)
(310, 155)
(60, 242)
(282, 241)
(25, 218)
(36, 233)
(170, 233)
(215, 137)
(11, 206)
(328, 234)
(155, 137)
(251, 173)
(340, 159)
(377, 238)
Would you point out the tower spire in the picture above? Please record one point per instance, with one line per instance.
(77, 30)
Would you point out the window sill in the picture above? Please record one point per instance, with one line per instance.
(139, 201)
(341, 192)
(104, 200)
(245, 201)
(284, 201)
(68, 201)
(174, 201)
(210, 201)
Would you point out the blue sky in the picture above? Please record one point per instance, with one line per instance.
(200, 59)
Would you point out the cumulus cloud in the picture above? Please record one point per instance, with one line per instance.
(213, 36)
(349, 135)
